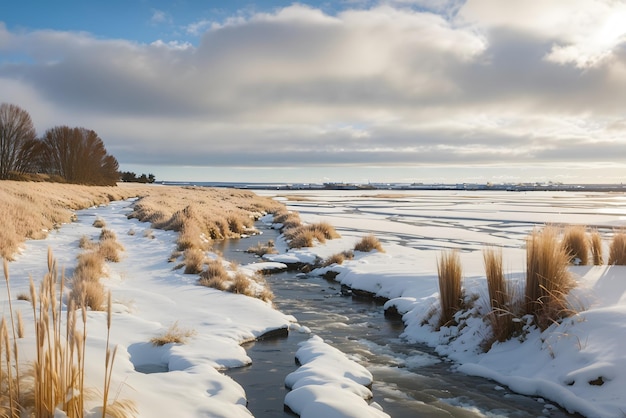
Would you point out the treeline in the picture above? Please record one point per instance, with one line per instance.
(72, 155)
(130, 177)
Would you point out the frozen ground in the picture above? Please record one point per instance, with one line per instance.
(563, 364)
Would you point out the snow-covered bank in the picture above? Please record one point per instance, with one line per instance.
(148, 298)
(579, 364)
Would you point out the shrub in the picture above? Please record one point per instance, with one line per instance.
(596, 248)
(576, 244)
(617, 250)
(449, 272)
(173, 335)
(547, 278)
(368, 243)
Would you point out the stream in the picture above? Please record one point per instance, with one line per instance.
(409, 380)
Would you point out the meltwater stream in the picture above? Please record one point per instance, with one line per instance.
(409, 380)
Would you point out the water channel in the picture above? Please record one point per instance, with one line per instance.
(409, 380)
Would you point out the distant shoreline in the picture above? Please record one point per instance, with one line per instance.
(523, 187)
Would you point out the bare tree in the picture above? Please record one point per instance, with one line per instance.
(79, 156)
(16, 132)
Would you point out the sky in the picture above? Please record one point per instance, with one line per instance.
(316, 91)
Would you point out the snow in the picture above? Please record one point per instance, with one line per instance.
(149, 297)
(579, 364)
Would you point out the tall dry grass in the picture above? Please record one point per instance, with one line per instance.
(596, 248)
(501, 298)
(451, 297)
(90, 268)
(617, 249)
(55, 381)
(30, 210)
(547, 277)
(576, 244)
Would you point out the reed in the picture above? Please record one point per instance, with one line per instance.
(576, 244)
(596, 248)
(449, 272)
(55, 380)
(502, 313)
(547, 278)
(617, 249)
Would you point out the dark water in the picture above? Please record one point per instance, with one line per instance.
(409, 380)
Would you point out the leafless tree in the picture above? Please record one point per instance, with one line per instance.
(17, 133)
(79, 156)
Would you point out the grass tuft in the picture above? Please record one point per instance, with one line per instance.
(596, 248)
(99, 223)
(261, 249)
(617, 250)
(338, 258)
(576, 244)
(369, 243)
(502, 313)
(547, 278)
(194, 261)
(449, 272)
(174, 335)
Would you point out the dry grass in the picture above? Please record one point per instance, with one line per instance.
(596, 248)
(368, 243)
(617, 250)
(58, 368)
(99, 223)
(338, 258)
(287, 219)
(30, 210)
(86, 243)
(174, 335)
(241, 284)
(194, 261)
(547, 278)
(449, 272)
(263, 248)
(215, 275)
(576, 244)
(90, 267)
(502, 314)
(306, 235)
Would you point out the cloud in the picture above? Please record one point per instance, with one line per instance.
(383, 85)
(159, 17)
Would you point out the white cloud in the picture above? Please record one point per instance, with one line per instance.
(382, 85)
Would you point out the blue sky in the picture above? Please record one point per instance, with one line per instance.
(395, 90)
